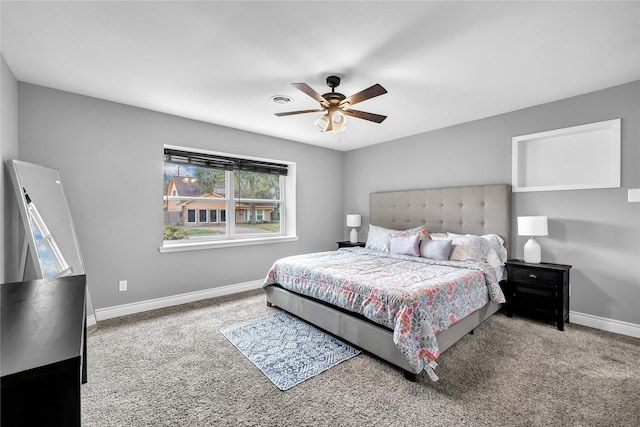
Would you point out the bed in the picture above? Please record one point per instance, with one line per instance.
(469, 210)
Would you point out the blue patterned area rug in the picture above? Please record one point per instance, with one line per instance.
(286, 349)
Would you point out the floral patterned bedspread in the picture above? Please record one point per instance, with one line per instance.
(415, 297)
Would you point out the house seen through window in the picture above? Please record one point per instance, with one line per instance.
(218, 197)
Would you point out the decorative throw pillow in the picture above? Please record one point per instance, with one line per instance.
(379, 238)
(435, 249)
(492, 245)
(406, 245)
(467, 248)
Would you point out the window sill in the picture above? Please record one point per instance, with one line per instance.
(194, 246)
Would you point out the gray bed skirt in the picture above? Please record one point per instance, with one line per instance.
(364, 334)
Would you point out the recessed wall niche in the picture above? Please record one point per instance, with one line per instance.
(578, 157)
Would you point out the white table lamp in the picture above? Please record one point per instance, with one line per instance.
(532, 226)
(354, 220)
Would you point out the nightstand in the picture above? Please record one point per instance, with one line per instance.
(348, 244)
(541, 290)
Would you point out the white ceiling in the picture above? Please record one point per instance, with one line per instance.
(442, 63)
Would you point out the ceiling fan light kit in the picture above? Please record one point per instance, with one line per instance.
(322, 122)
(336, 106)
(338, 122)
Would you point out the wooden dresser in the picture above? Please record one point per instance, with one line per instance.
(43, 353)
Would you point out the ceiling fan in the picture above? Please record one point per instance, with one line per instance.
(337, 106)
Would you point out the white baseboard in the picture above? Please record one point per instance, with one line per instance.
(153, 304)
(91, 320)
(610, 325)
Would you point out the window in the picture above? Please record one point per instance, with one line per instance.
(258, 193)
(248, 214)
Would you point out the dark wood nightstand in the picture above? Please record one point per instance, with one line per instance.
(538, 289)
(348, 244)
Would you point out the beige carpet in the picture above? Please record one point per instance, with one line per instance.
(172, 367)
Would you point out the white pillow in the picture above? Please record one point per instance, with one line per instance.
(438, 236)
(497, 244)
(378, 238)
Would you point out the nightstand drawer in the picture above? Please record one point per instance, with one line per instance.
(534, 276)
(529, 292)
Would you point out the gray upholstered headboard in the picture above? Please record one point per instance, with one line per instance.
(476, 209)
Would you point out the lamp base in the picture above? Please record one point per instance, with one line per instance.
(532, 252)
(353, 237)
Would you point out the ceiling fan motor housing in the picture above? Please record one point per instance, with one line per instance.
(333, 81)
(333, 97)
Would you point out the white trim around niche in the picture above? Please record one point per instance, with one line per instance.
(578, 157)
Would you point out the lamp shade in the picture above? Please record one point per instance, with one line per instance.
(354, 220)
(533, 226)
(339, 121)
(322, 122)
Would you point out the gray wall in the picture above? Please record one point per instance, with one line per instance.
(110, 160)
(8, 150)
(109, 156)
(596, 231)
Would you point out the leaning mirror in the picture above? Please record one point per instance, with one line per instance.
(50, 247)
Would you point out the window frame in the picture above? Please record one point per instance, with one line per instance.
(287, 203)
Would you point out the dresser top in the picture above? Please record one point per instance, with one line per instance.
(42, 322)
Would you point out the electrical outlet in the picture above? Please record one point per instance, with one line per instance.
(123, 285)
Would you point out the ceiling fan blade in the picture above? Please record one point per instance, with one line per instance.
(312, 93)
(290, 113)
(371, 92)
(364, 115)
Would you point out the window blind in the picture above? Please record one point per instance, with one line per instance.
(222, 162)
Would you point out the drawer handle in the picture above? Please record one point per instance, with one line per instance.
(533, 276)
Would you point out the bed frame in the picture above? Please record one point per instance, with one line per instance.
(478, 209)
